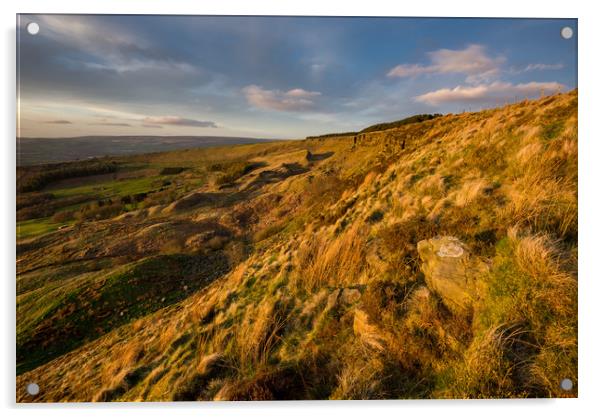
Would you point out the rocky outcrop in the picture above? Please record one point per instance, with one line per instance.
(452, 272)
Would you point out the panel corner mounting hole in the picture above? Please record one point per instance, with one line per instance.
(33, 389)
(33, 28)
(566, 32)
(566, 384)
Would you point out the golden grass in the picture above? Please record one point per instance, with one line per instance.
(207, 362)
(470, 191)
(552, 280)
(528, 153)
(526, 335)
(545, 204)
(336, 263)
(360, 380)
(368, 333)
(484, 373)
(117, 375)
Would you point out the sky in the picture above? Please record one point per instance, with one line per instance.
(275, 77)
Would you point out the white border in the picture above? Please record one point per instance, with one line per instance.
(590, 163)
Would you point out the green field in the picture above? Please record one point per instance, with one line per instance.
(36, 227)
(105, 189)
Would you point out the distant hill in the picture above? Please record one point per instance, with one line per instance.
(382, 126)
(33, 151)
(398, 123)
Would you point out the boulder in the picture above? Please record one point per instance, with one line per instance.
(452, 272)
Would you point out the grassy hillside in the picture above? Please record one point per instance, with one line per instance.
(290, 270)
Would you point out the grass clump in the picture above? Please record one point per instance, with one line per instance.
(322, 262)
(525, 326)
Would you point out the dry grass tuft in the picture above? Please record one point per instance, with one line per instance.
(484, 372)
(361, 380)
(470, 191)
(528, 153)
(325, 262)
(256, 337)
(526, 325)
(368, 333)
(207, 363)
(541, 259)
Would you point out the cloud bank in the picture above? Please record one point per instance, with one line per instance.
(177, 121)
(482, 72)
(117, 49)
(296, 99)
(488, 92)
(471, 61)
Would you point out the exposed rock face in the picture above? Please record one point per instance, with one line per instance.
(452, 272)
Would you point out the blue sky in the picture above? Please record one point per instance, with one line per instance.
(275, 77)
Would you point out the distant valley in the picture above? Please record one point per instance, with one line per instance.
(33, 151)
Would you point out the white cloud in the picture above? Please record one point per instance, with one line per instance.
(296, 99)
(410, 70)
(299, 92)
(111, 117)
(482, 76)
(176, 121)
(317, 68)
(471, 61)
(536, 67)
(135, 65)
(540, 67)
(488, 92)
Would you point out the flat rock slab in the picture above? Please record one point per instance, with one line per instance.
(452, 272)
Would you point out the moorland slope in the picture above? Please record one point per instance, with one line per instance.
(292, 270)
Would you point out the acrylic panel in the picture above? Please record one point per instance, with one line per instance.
(295, 208)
